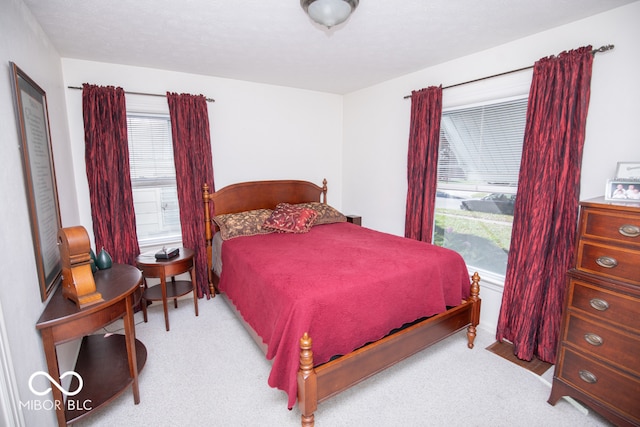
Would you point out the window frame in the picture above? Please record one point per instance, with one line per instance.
(155, 183)
(490, 91)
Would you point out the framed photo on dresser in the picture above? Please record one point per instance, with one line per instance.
(622, 190)
(628, 170)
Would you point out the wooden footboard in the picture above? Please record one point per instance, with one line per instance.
(320, 383)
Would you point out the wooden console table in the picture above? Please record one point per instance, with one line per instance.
(101, 361)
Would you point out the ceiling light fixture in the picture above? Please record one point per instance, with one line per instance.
(329, 12)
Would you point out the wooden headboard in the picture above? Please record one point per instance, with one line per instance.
(246, 196)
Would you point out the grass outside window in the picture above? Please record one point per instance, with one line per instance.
(481, 238)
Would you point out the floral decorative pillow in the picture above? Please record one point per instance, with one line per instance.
(247, 223)
(287, 218)
(326, 214)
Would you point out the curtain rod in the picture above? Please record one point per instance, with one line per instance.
(140, 93)
(594, 51)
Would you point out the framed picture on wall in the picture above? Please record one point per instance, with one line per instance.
(628, 170)
(622, 190)
(39, 175)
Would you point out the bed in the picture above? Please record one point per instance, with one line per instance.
(325, 301)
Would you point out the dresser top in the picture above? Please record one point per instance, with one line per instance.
(600, 202)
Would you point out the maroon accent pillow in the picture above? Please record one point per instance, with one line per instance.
(287, 218)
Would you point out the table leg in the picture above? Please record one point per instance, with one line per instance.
(195, 291)
(143, 301)
(173, 283)
(52, 365)
(163, 284)
(130, 339)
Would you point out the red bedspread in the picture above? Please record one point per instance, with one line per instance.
(346, 285)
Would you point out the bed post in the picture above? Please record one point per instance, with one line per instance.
(208, 237)
(307, 383)
(475, 311)
(324, 191)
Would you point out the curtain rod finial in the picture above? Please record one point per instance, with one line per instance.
(604, 48)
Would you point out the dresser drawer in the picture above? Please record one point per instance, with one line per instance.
(620, 390)
(607, 305)
(621, 349)
(609, 261)
(616, 226)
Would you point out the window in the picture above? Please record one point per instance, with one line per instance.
(153, 179)
(478, 166)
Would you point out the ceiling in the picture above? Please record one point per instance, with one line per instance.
(275, 42)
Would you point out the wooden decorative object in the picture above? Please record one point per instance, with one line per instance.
(77, 278)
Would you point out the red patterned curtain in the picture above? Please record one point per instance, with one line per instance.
(194, 167)
(422, 164)
(544, 222)
(107, 164)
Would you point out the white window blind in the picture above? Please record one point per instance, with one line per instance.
(153, 179)
(482, 145)
(150, 149)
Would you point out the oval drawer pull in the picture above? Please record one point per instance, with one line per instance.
(606, 262)
(629, 230)
(593, 339)
(599, 304)
(587, 376)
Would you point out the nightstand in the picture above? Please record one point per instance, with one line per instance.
(354, 219)
(173, 289)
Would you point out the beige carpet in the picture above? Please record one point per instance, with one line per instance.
(208, 372)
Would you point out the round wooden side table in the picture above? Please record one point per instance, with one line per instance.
(161, 269)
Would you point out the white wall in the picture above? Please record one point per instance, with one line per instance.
(376, 119)
(257, 131)
(23, 42)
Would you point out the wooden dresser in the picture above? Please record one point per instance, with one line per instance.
(598, 360)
